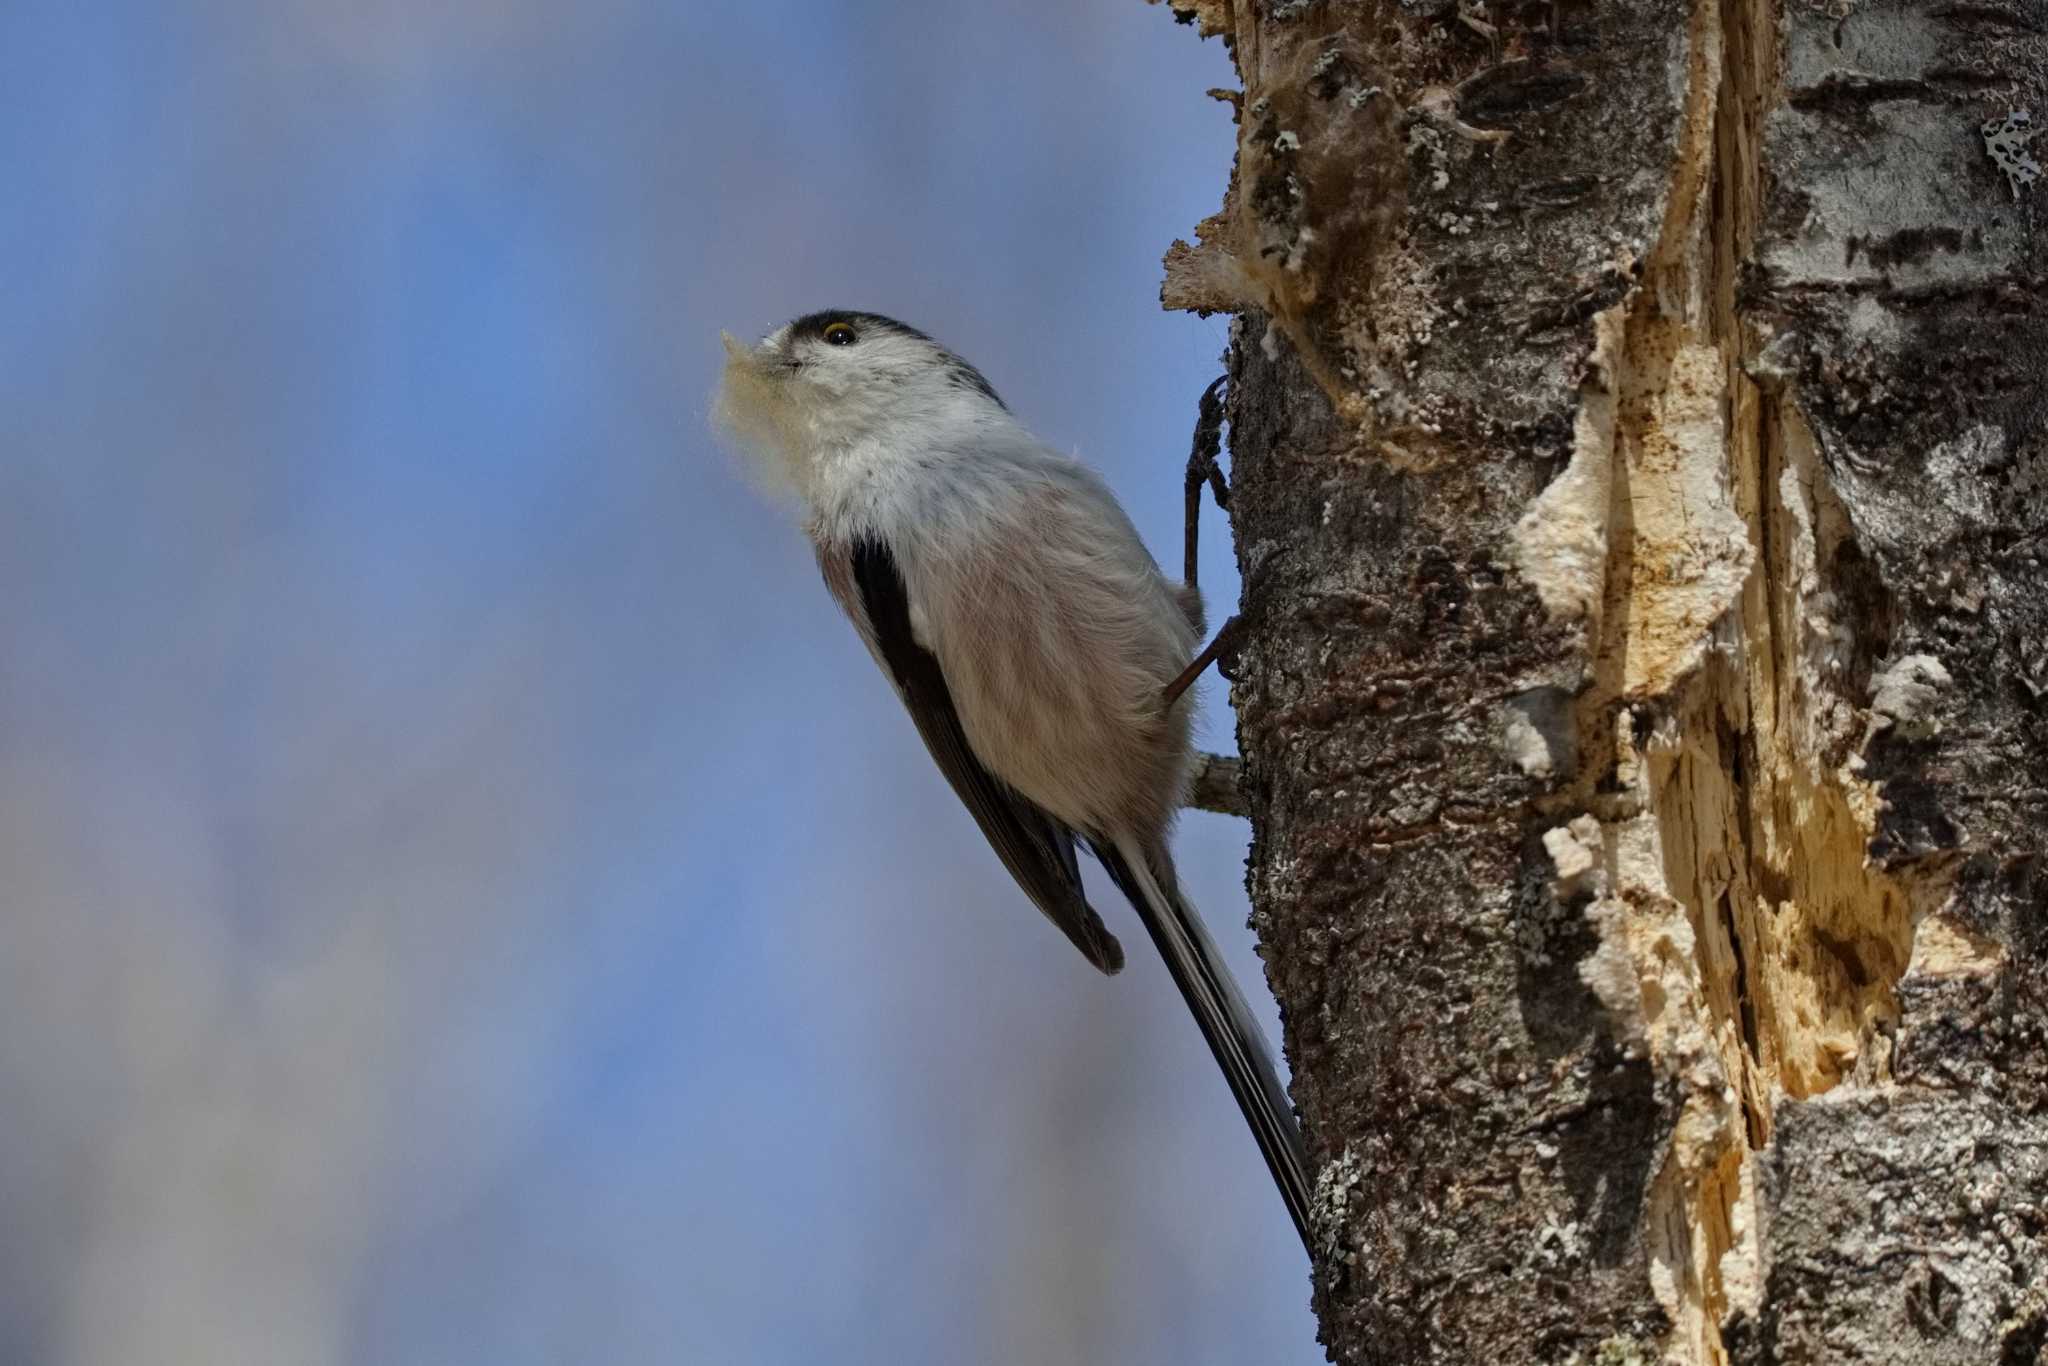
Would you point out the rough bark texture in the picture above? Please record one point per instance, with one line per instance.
(1640, 463)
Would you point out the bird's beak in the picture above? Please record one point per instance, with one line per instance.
(764, 360)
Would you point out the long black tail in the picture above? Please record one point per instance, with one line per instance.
(1234, 1036)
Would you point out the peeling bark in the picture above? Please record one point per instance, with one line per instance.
(1640, 482)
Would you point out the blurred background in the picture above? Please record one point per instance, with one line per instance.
(465, 896)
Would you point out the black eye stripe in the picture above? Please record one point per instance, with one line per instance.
(875, 324)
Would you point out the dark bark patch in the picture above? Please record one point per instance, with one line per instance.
(2026, 1338)
(1853, 92)
(1933, 1301)
(1916, 823)
(1988, 19)
(1607, 1155)
(1905, 247)
(1515, 91)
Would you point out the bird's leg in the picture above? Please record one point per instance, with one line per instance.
(1224, 639)
(1203, 469)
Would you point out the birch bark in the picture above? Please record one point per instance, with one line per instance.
(1640, 462)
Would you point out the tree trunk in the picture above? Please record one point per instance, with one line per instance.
(1640, 466)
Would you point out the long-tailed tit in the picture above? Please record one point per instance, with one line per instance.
(1027, 629)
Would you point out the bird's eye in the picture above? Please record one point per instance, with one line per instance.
(840, 334)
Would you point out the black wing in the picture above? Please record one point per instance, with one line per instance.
(1037, 849)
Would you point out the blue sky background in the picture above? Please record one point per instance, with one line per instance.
(464, 894)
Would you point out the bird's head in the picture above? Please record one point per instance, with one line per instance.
(829, 381)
